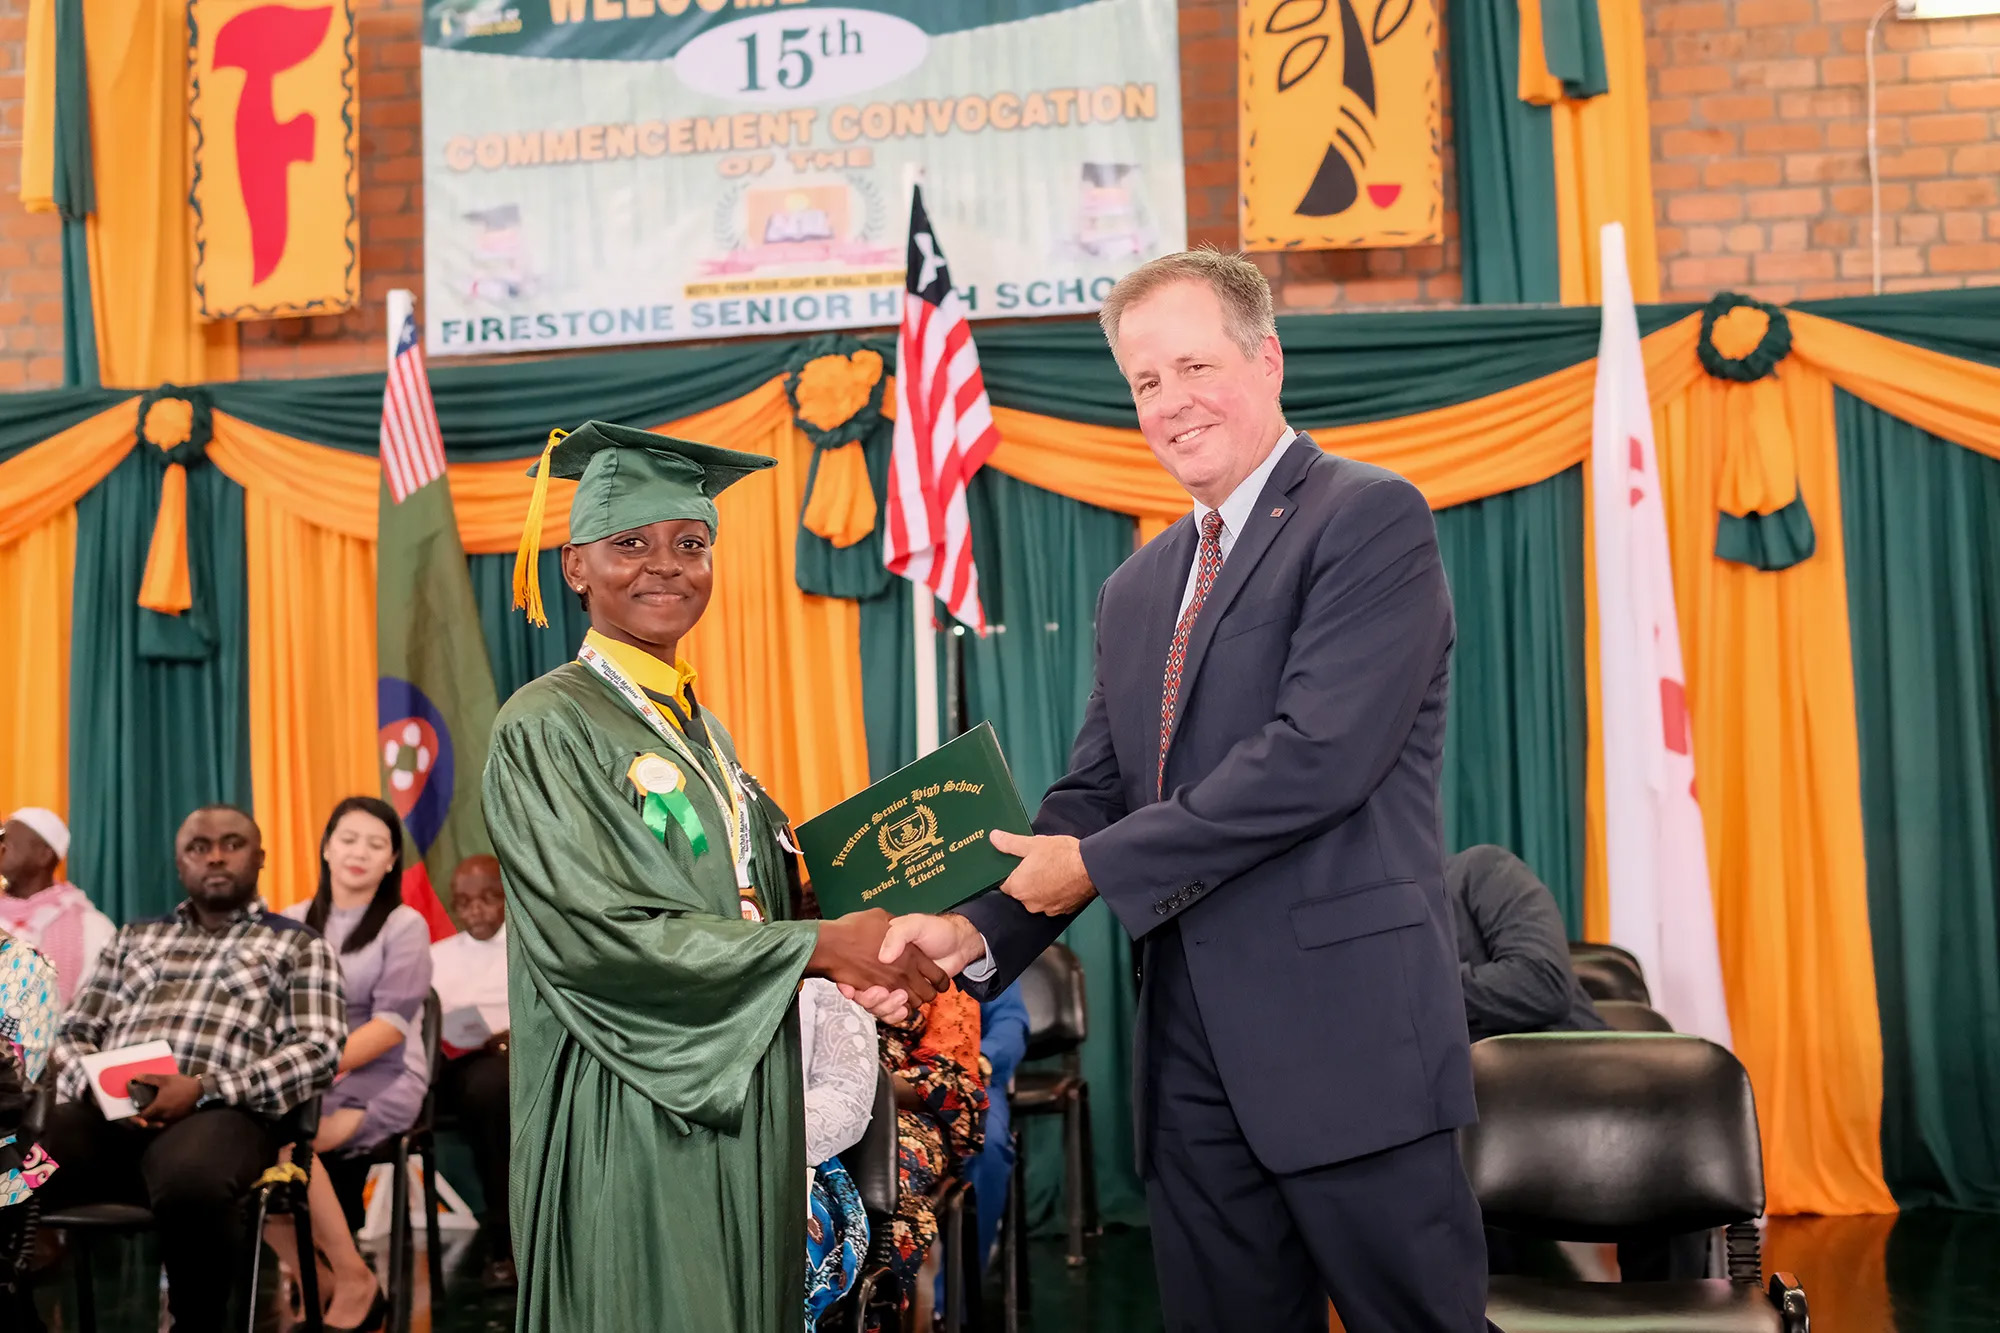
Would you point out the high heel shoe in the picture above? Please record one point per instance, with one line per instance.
(372, 1322)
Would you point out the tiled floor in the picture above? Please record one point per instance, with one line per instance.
(1923, 1272)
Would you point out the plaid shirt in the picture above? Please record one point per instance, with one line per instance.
(255, 1011)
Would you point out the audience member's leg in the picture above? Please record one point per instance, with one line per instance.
(197, 1173)
(354, 1284)
(991, 1171)
(483, 1117)
(96, 1161)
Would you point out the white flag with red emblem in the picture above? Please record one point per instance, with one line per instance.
(944, 431)
(1655, 853)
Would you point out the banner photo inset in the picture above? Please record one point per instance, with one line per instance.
(271, 98)
(1339, 128)
(600, 172)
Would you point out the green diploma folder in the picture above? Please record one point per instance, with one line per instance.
(916, 841)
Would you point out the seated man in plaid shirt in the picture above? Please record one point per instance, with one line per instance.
(251, 1004)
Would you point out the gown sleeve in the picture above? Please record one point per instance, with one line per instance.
(675, 1000)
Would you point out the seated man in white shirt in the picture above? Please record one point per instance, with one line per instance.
(52, 915)
(469, 973)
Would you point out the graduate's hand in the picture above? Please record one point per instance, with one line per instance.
(848, 953)
(950, 941)
(1051, 879)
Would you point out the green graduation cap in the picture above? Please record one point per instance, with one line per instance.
(625, 478)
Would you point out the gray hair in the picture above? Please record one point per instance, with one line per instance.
(1237, 283)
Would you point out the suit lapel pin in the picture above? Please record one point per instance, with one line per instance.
(1278, 512)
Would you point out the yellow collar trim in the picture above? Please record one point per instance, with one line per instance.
(645, 670)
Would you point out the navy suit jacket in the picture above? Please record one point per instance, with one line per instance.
(1299, 846)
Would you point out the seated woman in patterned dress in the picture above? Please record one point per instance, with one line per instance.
(941, 1126)
(838, 1056)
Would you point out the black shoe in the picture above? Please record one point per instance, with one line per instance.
(499, 1275)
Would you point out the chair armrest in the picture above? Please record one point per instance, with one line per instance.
(300, 1125)
(1790, 1299)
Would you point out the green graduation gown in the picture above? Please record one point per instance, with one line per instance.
(658, 1171)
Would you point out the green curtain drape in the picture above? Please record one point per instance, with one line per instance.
(1042, 557)
(26, 419)
(1922, 520)
(75, 193)
(1516, 729)
(507, 410)
(518, 650)
(1573, 46)
(158, 720)
(1505, 152)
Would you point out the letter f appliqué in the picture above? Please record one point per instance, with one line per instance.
(264, 43)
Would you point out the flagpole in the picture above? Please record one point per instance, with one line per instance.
(922, 601)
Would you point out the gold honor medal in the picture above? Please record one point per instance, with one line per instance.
(650, 773)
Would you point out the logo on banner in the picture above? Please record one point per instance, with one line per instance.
(417, 769)
(1340, 125)
(272, 106)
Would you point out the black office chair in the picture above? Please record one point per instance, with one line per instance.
(1606, 1136)
(1610, 976)
(1631, 1016)
(1058, 1024)
(418, 1140)
(280, 1190)
(1593, 948)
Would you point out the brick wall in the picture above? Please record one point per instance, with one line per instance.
(30, 244)
(1759, 168)
(1760, 161)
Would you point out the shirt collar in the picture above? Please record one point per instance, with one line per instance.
(251, 911)
(645, 670)
(1235, 510)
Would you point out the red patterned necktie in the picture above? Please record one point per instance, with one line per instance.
(1206, 565)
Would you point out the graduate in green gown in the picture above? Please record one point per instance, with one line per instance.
(658, 1166)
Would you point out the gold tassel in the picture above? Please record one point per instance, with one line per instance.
(528, 587)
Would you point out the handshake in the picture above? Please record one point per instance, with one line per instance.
(890, 965)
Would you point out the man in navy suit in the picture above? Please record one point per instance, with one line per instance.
(1254, 793)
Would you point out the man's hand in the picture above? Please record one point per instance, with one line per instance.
(1051, 878)
(850, 954)
(175, 1097)
(950, 941)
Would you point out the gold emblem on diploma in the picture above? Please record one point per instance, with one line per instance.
(909, 835)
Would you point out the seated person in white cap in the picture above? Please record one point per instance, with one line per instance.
(52, 915)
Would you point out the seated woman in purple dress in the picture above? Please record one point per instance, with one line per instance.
(385, 968)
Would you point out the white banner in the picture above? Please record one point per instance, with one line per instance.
(624, 171)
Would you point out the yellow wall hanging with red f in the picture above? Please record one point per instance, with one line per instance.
(1339, 124)
(271, 99)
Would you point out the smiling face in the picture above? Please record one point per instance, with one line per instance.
(1208, 410)
(645, 586)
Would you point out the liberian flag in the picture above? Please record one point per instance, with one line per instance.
(1655, 853)
(944, 431)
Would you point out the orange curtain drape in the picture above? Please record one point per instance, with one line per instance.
(1454, 454)
(312, 684)
(38, 108)
(36, 568)
(1771, 690)
(140, 238)
(1604, 172)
